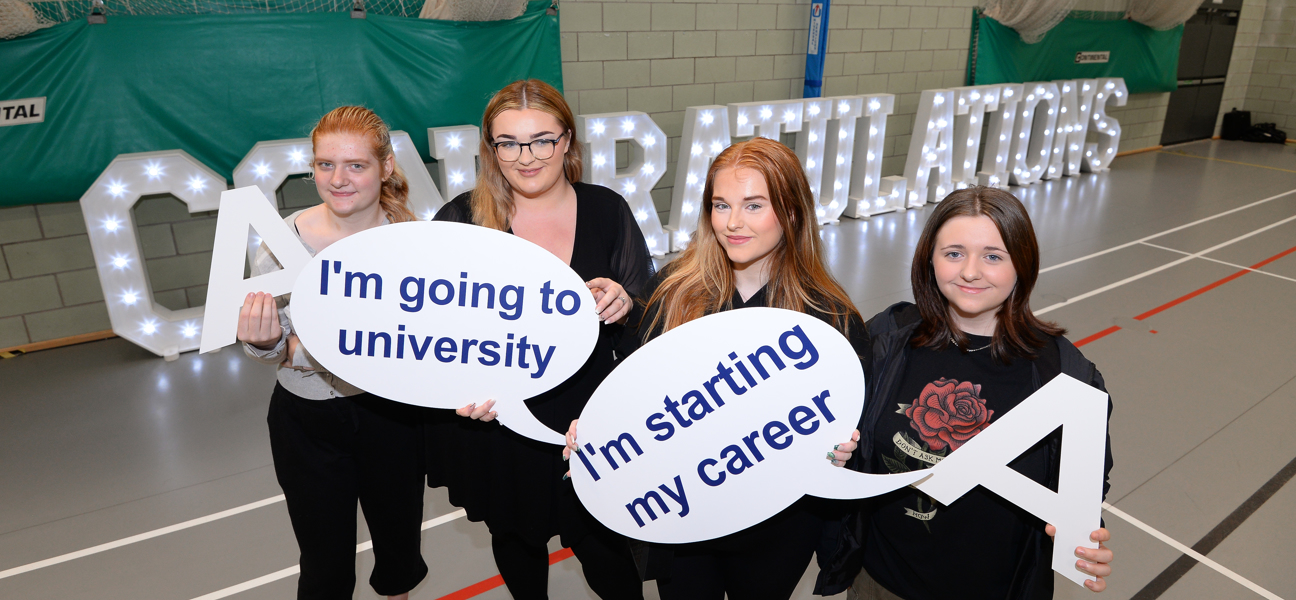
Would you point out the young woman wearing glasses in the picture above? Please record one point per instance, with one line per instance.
(529, 185)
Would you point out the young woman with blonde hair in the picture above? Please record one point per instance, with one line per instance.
(529, 185)
(332, 443)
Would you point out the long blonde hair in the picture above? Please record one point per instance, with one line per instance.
(701, 280)
(492, 199)
(394, 195)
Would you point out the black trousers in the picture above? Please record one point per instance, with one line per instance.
(765, 564)
(605, 559)
(327, 455)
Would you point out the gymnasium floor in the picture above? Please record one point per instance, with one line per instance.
(125, 476)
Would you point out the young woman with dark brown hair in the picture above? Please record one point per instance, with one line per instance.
(529, 185)
(942, 370)
(334, 444)
(757, 244)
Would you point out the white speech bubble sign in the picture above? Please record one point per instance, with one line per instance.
(765, 394)
(1076, 508)
(446, 314)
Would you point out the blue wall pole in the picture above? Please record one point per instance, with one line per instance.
(816, 48)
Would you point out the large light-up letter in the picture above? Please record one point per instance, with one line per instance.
(1033, 134)
(647, 165)
(765, 119)
(929, 148)
(114, 241)
(706, 133)
(998, 137)
(839, 155)
(226, 288)
(267, 166)
(810, 147)
(1077, 98)
(970, 109)
(868, 194)
(1066, 112)
(1098, 157)
(455, 149)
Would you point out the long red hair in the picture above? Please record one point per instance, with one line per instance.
(701, 280)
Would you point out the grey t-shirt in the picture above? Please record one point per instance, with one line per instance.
(317, 384)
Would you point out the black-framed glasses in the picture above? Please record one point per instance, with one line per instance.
(541, 149)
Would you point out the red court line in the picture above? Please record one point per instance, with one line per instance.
(489, 584)
(1184, 298)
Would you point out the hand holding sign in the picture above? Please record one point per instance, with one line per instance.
(721, 423)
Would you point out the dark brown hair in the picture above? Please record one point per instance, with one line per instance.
(492, 199)
(1017, 330)
(701, 280)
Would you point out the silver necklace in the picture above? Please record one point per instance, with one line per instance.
(952, 341)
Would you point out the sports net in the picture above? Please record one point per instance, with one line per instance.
(21, 17)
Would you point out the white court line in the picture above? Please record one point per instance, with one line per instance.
(1216, 260)
(295, 569)
(139, 538)
(1244, 582)
(1185, 259)
(1166, 232)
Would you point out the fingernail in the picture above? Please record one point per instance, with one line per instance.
(578, 449)
(836, 446)
(566, 476)
(566, 457)
(831, 456)
(472, 406)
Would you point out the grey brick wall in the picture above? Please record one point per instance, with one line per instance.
(659, 57)
(1271, 90)
(49, 287)
(662, 57)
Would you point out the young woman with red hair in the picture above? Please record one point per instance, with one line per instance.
(334, 444)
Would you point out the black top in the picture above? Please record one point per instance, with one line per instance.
(945, 398)
(513, 483)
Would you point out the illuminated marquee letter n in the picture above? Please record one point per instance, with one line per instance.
(1076, 508)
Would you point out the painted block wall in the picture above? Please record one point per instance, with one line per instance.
(661, 57)
(49, 287)
(1271, 92)
(657, 57)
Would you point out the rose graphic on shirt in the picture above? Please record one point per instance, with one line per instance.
(948, 413)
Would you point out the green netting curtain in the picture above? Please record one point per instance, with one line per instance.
(1146, 58)
(215, 85)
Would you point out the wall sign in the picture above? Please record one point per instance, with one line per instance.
(22, 112)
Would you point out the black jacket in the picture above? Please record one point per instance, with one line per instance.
(891, 331)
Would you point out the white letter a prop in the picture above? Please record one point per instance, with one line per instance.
(1076, 508)
(226, 287)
